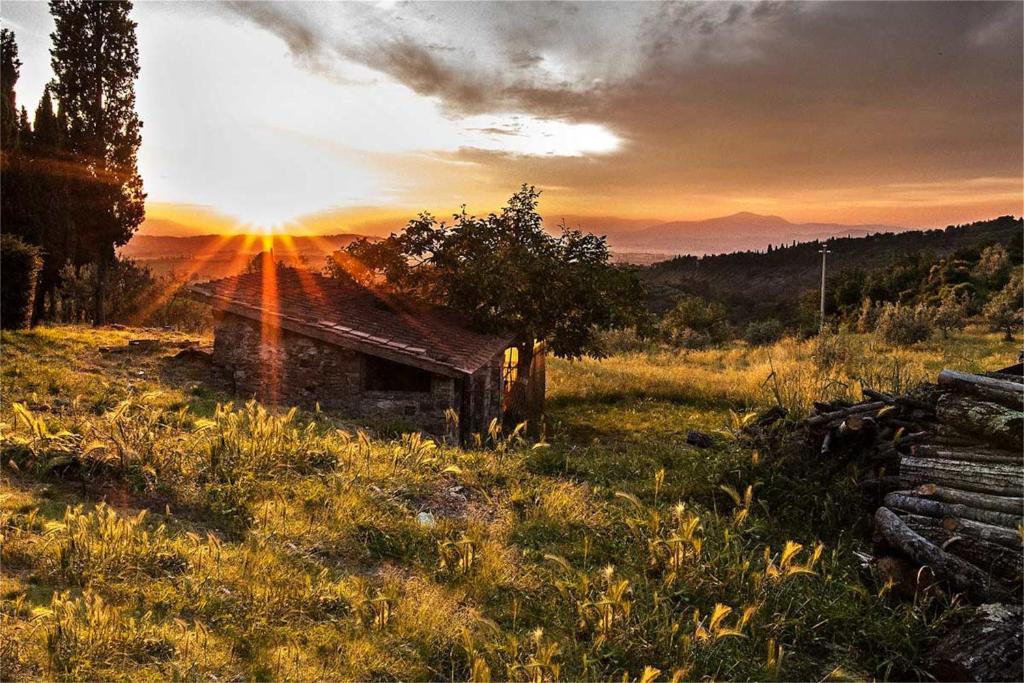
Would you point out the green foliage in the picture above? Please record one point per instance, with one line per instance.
(10, 67)
(105, 203)
(903, 325)
(909, 267)
(506, 273)
(952, 312)
(20, 264)
(763, 332)
(1005, 310)
(131, 295)
(695, 323)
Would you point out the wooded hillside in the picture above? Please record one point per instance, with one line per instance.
(757, 285)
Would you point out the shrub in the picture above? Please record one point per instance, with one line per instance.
(1005, 310)
(902, 325)
(951, 313)
(763, 332)
(19, 265)
(623, 340)
(867, 319)
(695, 323)
(133, 296)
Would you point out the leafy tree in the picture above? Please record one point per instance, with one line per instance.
(952, 312)
(505, 272)
(1005, 310)
(695, 322)
(993, 267)
(95, 61)
(903, 325)
(763, 332)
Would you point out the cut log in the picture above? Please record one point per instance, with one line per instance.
(909, 501)
(826, 418)
(979, 530)
(1010, 394)
(993, 422)
(988, 646)
(978, 500)
(960, 574)
(992, 557)
(972, 454)
(995, 478)
(877, 395)
(1008, 538)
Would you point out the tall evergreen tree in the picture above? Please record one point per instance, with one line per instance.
(10, 68)
(48, 199)
(12, 214)
(95, 61)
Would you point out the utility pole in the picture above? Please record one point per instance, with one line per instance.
(824, 251)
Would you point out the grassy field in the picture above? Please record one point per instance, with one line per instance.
(153, 530)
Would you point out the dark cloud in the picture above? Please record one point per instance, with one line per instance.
(709, 96)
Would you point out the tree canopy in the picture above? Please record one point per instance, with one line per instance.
(505, 272)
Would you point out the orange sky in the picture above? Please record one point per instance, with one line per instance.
(352, 117)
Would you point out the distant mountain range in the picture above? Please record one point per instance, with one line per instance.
(203, 257)
(742, 231)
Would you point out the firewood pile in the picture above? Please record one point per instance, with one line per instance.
(945, 475)
(946, 470)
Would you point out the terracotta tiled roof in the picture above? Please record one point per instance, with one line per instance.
(353, 316)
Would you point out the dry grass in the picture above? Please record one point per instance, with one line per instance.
(792, 372)
(150, 533)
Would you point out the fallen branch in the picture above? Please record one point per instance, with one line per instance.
(826, 418)
(1010, 394)
(978, 500)
(909, 501)
(992, 557)
(960, 574)
(972, 454)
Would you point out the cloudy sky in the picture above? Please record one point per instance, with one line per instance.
(326, 116)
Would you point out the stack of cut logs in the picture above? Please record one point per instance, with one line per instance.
(946, 473)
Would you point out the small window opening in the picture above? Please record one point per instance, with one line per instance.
(386, 375)
(510, 368)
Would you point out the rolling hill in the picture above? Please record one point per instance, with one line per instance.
(757, 285)
(202, 257)
(742, 231)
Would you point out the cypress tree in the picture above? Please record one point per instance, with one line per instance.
(95, 61)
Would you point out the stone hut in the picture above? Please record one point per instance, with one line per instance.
(291, 337)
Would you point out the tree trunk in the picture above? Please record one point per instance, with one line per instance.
(907, 500)
(972, 454)
(995, 478)
(1009, 394)
(960, 574)
(990, 421)
(988, 646)
(978, 500)
(39, 301)
(98, 315)
(991, 557)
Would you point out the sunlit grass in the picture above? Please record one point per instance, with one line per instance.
(793, 372)
(150, 533)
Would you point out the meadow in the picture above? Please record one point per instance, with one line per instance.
(156, 528)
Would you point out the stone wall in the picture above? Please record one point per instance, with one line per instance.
(482, 402)
(284, 368)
